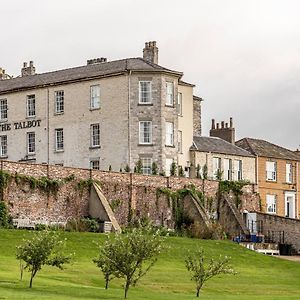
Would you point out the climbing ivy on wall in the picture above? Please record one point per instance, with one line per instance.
(43, 183)
(236, 187)
(176, 202)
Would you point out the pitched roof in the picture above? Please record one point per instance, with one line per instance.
(82, 73)
(217, 145)
(266, 149)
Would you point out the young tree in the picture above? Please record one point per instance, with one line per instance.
(201, 272)
(129, 256)
(139, 167)
(205, 171)
(43, 249)
(154, 168)
(180, 172)
(173, 169)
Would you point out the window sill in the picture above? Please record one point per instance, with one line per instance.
(94, 147)
(147, 145)
(4, 157)
(96, 108)
(145, 104)
(31, 117)
(270, 180)
(59, 151)
(170, 146)
(180, 115)
(3, 120)
(31, 154)
(59, 113)
(170, 105)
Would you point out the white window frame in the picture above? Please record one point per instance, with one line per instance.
(59, 101)
(169, 134)
(216, 167)
(95, 164)
(271, 204)
(238, 169)
(30, 106)
(169, 162)
(271, 173)
(179, 141)
(3, 109)
(59, 139)
(145, 132)
(179, 104)
(146, 165)
(227, 169)
(95, 95)
(145, 95)
(30, 143)
(3, 145)
(289, 172)
(95, 135)
(169, 93)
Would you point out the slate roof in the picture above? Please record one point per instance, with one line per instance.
(266, 149)
(217, 145)
(82, 73)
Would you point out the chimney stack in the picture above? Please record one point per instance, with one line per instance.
(150, 52)
(96, 61)
(213, 124)
(27, 71)
(224, 132)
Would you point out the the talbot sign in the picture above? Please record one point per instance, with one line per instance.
(20, 125)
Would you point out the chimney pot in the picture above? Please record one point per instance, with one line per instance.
(222, 124)
(213, 126)
(218, 125)
(226, 125)
(231, 122)
(24, 64)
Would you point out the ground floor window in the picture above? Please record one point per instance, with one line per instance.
(30, 143)
(95, 164)
(271, 204)
(59, 139)
(146, 165)
(3, 145)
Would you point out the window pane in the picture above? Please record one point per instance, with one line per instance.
(95, 135)
(169, 134)
(3, 109)
(31, 105)
(59, 101)
(146, 165)
(95, 96)
(59, 139)
(145, 132)
(271, 204)
(30, 142)
(145, 92)
(169, 93)
(3, 145)
(179, 104)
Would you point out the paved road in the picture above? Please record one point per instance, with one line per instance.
(292, 258)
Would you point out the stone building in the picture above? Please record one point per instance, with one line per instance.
(99, 115)
(221, 157)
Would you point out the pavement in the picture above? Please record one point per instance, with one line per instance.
(291, 258)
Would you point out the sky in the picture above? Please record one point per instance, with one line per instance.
(242, 55)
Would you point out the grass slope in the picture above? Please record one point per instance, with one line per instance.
(259, 276)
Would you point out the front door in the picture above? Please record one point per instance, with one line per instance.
(290, 209)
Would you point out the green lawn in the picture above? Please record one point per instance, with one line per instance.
(259, 276)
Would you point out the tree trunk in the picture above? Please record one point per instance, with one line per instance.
(106, 283)
(31, 278)
(198, 292)
(126, 289)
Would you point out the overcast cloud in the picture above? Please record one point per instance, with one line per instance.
(243, 55)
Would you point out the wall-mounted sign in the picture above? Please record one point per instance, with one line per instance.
(20, 125)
